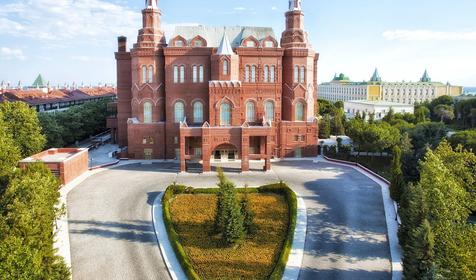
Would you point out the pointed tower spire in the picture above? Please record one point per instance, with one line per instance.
(425, 78)
(376, 76)
(225, 46)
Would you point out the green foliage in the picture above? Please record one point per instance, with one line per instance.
(337, 125)
(27, 214)
(422, 114)
(247, 212)
(444, 112)
(419, 253)
(444, 196)
(21, 122)
(390, 117)
(397, 181)
(376, 137)
(465, 138)
(325, 127)
(75, 124)
(229, 220)
(466, 112)
(325, 107)
(9, 155)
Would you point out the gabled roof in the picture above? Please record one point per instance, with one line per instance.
(39, 82)
(225, 46)
(214, 35)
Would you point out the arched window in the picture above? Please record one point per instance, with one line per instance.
(266, 74)
(198, 112)
(272, 74)
(302, 76)
(195, 73)
(201, 76)
(247, 73)
(250, 112)
(299, 111)
(225, 114)
(147, 112)
(144, 74)
(269, 110)
(176, 74)
(296, 74)
(253, 74)
(151, 74)
(225, 67)
(179, 112)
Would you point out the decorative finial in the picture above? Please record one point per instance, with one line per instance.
(295, 5)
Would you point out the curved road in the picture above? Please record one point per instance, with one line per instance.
(112, 237)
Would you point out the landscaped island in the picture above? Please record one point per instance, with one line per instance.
(261, 253)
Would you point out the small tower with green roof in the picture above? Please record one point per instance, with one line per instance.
(425, 78)
(39, 82)
(376, 77)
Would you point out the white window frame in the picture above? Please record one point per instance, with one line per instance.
(269, 110)
(250, 111)
(197, 112)
(195, 74)
(201, 74)
(182, 74)
(148, 108)
(144, 74)
(225, 120)
(176, 74)
(179, 111)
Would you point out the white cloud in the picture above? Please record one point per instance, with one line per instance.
(239, 8)
(428, 35)
(274, 8)
(68, 20)
(11, 54)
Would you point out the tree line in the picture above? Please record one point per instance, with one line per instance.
(73, 125)
(27, 200)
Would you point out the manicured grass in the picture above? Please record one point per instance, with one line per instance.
(189, 215)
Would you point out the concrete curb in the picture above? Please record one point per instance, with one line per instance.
(293, 266)
(391, 214)
(168, 254)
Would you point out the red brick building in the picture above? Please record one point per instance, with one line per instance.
(217, 93)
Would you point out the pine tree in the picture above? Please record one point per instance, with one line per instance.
(337, 123)
(419, 253)
(397, 175)
(229, 220)
(325, 127)
(247, 212)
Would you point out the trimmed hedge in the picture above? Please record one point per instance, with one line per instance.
(277, 188)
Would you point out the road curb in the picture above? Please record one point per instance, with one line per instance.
(293, 266)
(168, 254)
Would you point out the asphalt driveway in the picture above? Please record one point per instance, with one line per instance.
(112, 237)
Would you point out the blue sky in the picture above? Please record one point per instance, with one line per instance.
(74, 40)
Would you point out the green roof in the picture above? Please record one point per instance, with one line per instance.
(341, 77)
(39, 82)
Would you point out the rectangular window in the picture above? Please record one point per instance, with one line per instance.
(247, 73)
(302, 76)
(176, 79)
(197, 152)
(296, 74)
(182, 74)
(272, 74)
(201, 74)
(195, 74)
(253, 74)
(266, 74)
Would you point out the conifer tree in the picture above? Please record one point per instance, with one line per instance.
(397, 175)
(325, 127)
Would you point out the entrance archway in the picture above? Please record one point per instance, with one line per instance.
(225, 153)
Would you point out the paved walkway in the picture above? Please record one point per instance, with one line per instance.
(112, 235)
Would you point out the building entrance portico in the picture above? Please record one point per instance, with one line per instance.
(226, 144)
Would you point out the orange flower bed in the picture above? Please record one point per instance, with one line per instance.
(255, 258)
